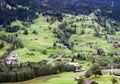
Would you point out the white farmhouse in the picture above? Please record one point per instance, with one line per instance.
(12, 58)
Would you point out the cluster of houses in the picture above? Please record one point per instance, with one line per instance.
(113, 41)
(79, 69)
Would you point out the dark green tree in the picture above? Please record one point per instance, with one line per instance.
(35, 32)
(44, 52)
(93, 70)
(26, 32)
(100, 51)
(82, 32)
(54, 44)
(81, 80)
(73, 59)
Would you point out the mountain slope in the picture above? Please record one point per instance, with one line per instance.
(26, 9)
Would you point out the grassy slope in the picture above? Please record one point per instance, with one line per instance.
(46, 38)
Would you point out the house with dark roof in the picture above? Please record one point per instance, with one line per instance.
(116, 45)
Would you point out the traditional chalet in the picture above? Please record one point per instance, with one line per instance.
(12, 58)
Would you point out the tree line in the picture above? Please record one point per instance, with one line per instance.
(27, 11)
(24, 71)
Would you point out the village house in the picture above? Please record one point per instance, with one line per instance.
(63, 47)
(12, 58)
(73, 64)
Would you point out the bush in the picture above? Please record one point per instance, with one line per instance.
(44, 52)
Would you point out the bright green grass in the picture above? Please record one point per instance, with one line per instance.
(63, 78)
(26, 57)
(45, 39)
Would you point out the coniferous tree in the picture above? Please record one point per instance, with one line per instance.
(2, 44)
(26, 32)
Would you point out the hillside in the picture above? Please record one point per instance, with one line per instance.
(77, 42)
(38, 38)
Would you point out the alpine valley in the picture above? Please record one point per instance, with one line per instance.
(59, 41)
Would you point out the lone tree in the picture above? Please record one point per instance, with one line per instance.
(114, 81)
(35, 32)
(54, 44)
(25, 32)
(2, 44)
(100, 51)
(82, 32)
(93, 70)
